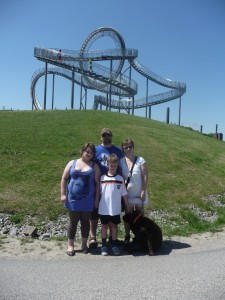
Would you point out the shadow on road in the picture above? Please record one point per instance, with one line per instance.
(169, 245)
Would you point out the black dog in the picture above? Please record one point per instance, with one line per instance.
(148, 235)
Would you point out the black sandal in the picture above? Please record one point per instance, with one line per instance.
(92, 243)
(70, 253)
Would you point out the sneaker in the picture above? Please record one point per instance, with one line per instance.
(115, 250)
(104, 251)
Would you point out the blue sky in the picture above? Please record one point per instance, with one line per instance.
(183, 40)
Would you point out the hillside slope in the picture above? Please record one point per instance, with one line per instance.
(184, 166)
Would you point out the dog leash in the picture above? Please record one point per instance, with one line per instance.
(138, 217)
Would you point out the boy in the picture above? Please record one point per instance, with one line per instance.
(112, 188)
(103, 150)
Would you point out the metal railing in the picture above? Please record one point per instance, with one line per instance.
(111, 80)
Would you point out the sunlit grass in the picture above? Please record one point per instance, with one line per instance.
(184, 166)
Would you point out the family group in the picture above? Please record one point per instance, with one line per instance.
(92, 187)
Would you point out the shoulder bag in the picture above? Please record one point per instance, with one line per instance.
(128, 180)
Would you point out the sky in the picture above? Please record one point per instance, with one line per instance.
(183, 40)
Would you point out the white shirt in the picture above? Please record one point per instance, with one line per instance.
(112, 189)
(135, 185)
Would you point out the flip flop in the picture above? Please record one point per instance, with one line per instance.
(71, 253)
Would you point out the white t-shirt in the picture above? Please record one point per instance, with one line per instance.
(135, 185)
(112, 189)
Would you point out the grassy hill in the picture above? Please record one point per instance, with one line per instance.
(184, 166)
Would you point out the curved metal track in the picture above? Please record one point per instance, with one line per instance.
(96, 76)
(120, 50)
(55, 71)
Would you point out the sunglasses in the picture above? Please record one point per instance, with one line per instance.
(128, 147)
(106, 135)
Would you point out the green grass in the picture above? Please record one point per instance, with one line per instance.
(184, 165)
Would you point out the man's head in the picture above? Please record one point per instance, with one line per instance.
(106, 137)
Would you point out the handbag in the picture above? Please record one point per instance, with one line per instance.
(126, 184)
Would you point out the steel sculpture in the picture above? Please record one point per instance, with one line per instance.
(84, 67)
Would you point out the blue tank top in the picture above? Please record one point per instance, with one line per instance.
(81, 190)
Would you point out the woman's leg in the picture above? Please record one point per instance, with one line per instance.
(139, 208)
(72, 229)
(127, 228)
(85, 228)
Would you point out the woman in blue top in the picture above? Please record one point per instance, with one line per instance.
(80, 193)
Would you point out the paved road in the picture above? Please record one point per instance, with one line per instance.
(198, 275)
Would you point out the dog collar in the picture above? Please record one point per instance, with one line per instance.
(135, 220)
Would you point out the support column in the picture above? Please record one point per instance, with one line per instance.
(53, 90)
(149, 112)
(107, 101)
(119, 96)
(146, 109)
(179, 111)
(132, 105)
(45, 90)
(132, 96)
(168, 115)
(110, 88)
(81, 96)
(85, 99)
(72, 91)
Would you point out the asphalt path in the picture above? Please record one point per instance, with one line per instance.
(198, 275)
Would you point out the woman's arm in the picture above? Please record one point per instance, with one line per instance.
(97, 184)
(65, 178)
(144, 175)
(127, 207)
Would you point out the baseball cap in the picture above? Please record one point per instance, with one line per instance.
(106, 130)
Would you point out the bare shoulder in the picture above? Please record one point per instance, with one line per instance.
(70, 163)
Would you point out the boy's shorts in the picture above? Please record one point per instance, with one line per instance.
(94, 214)
(105, 219)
